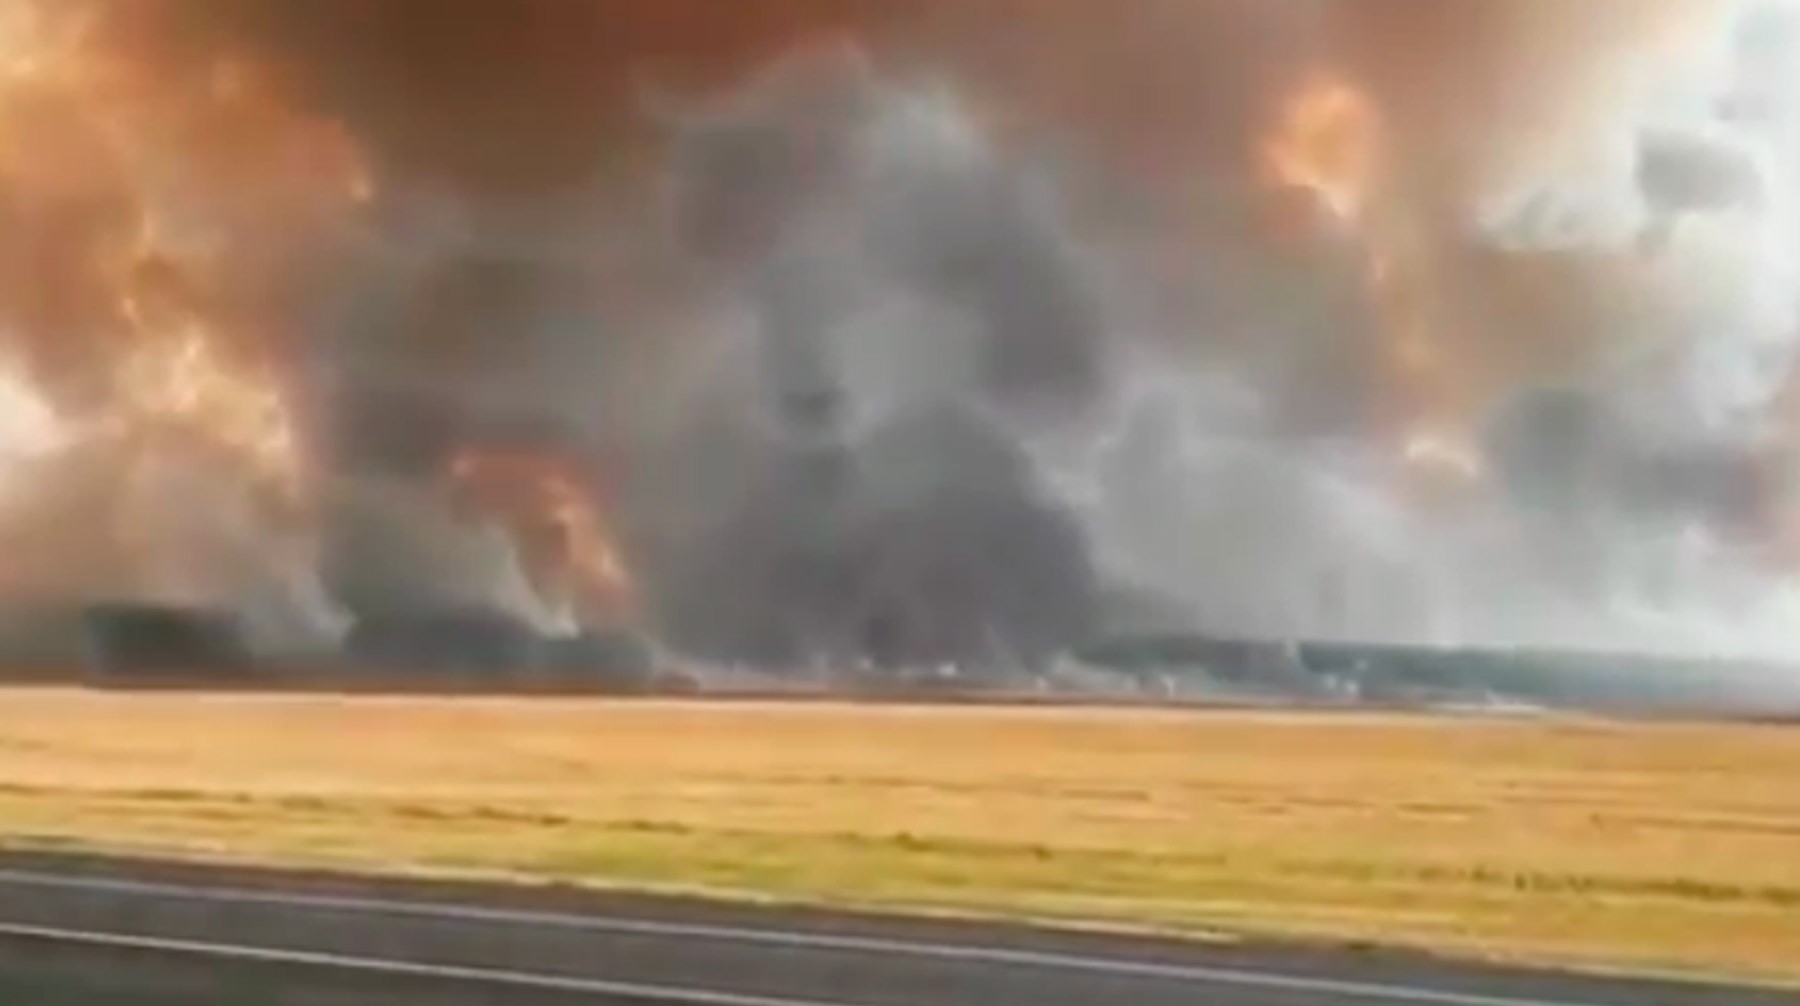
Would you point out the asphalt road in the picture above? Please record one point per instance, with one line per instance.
(90, 932)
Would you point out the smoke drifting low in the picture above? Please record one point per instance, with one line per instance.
(957, 334)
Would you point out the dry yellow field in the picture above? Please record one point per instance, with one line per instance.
(1672, 846)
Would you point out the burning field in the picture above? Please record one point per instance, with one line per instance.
(1652, 845)
(819, 337)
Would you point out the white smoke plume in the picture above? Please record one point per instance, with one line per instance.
(1604, 196)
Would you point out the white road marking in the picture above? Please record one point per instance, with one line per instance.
(381, 966)
(1001, 956)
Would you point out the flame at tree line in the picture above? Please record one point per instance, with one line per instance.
(154, 181)
(551, 510)
(169, 192)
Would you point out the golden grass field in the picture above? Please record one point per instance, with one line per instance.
(1669, 846)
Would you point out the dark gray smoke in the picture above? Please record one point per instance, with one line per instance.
(902, 296)
(831, 285)
(858, 224)
(911, 336)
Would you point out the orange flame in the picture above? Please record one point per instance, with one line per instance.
(178, 382)
(1328, 144)
(201, 166)
(557, 523)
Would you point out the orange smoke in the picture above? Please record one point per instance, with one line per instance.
(159, 194)
(556, 523)
(177, 381)
(1329, 143)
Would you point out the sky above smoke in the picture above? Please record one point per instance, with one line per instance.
(747, 257)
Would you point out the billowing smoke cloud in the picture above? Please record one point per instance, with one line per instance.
(166, 211)
(1586, 176)
(1485, 99)
(903, 294)
(914, 335)
(1587, 212)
